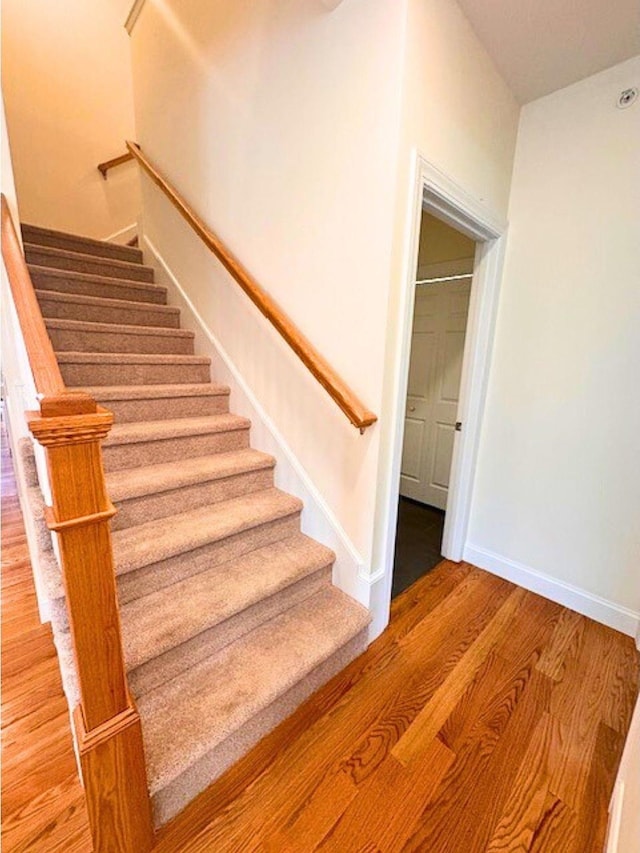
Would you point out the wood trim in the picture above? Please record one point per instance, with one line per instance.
(114, 776)
(134, 14)
(55, 399)
(103, 168)
(107, 724)
(69, 403)
(82, 521)
(345, 398)
(78, 490)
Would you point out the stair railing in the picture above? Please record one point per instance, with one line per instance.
(338, 390)
(103, 168)
(70, 426)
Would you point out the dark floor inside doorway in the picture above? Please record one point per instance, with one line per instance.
(418, 542)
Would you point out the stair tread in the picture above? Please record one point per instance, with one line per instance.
(41, 231)
(143, 392)
(105, 301)
(185, 718)
(130, 433)
(95, 278)
(75, 357)
(116, 328)
(162, 538)
(136, 482)
(82, 257)
(160, 621)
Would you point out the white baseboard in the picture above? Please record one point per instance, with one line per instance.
(318, 520)
(600, 609)
(123, 235)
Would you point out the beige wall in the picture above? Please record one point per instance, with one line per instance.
(276, 121)
(440, 242)
(558, 485)
(459, 114)
(290, 128)
(66, 79)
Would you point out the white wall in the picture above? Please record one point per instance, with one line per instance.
(66, 78)
(460, 116)
(276, 121)
(19, 387)
(558, 484)
(290, 129)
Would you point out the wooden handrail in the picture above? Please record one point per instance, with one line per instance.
(103, 168)
(46, 373)
(353, 408)
(55, 398)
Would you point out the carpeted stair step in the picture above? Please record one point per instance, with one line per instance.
(196, 725)
(101, 368)
(136, 445)
(61, 259)
(95, 309)
(64, 281)
(80, 336)
(228, 614)
(164, 551)
(131, 403)
(157, 491)
(168, 631)
(38, 236)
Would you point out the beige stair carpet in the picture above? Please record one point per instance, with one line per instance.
(229, 617)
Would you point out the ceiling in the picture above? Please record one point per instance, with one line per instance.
(542, 45)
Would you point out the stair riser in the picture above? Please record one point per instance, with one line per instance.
(131, 411)
(91, 265)
(149, 507)
(126, 315)
(150, 578)
(119, 456)
(151, 674)
(175, 796)
(134, 374)
(67, 340)
(71, 243)
(104, 289)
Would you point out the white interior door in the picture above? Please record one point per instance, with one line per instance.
(435, 369)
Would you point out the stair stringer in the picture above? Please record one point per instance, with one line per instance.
(318, 519)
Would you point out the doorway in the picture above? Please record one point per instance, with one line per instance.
(433, 190)
(441, 307)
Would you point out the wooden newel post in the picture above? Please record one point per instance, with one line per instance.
(107, 723)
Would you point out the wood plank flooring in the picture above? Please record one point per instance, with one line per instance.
(485, 720)
(42, 800)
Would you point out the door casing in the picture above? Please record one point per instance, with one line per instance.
(435, 192)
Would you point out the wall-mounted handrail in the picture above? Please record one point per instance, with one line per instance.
(103, 168)
(338, 390)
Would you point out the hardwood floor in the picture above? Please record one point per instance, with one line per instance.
(484, 719)
(42, 800)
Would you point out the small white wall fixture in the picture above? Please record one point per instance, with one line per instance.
(438, 194)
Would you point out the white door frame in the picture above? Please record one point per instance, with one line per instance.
(436, 192)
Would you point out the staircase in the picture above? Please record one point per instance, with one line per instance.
(229, 618)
